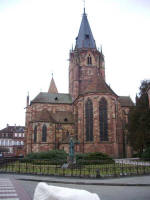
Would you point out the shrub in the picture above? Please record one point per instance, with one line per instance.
(146, 154)
(93, 158)
(53, 156)
(136, 155)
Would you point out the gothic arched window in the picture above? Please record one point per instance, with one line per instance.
(103, 122)
(89, 120)
(44, 133)
(35, 134)
(89, 60)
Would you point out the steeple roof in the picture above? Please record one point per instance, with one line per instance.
(52, 87)
(85, 37)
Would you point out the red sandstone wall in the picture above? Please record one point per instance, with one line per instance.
(79, 69)
(110, 147)
(55, 137)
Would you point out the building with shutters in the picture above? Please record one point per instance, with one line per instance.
(12, 138)
(91, 113)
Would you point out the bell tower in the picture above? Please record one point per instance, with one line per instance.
(86, 61)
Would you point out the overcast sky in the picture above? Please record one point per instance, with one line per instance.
(36, 36)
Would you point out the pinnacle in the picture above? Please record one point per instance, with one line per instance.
(52, 88)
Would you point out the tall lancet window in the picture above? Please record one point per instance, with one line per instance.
(89, 60)
(44, 133)
(89, 120)
(103, 120)
(35, 134)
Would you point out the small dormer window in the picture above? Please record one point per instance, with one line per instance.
(89, 60)
(87, 36)
(56, 98)
(65, 120)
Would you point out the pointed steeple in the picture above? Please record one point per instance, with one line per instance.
(52, 87)
(85, 37)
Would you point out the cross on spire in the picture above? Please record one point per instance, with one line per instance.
(84, 5)
(85, 37)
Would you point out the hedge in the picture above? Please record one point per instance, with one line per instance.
(53, 155)
(93, 158)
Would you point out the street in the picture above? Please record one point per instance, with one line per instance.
(25, 187)
(104, 192)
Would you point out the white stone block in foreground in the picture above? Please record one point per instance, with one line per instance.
(49, 192)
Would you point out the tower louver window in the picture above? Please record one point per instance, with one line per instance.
(35, 134)
(44, 133)
(89, 120)
(103, 120)
(89, 60)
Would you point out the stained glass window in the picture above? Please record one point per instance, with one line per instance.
(35, 134)
(103, 121)
(44, 133)
(89, 120)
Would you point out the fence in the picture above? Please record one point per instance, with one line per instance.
(90, 169)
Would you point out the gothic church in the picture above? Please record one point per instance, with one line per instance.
(92, 113)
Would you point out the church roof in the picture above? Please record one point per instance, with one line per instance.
(52, 87)
(43, 116)
(97, 85)
(85, 37)
(59, 98)
(62, 117)
(126, 101)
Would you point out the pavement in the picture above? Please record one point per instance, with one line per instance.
(21, 187)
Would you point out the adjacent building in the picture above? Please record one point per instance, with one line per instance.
(148, 92)
(12, 138)
(91, 113)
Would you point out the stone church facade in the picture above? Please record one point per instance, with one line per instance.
(92, 113)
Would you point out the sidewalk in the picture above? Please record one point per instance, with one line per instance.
(123, 181)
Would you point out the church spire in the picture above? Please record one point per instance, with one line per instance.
(52, 87)
(85, 37)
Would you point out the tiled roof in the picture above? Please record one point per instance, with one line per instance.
(126, 101)
(59, 98)
(85, 37)
(13, 129)
(43, 116)
(62, 117)
(96, 85)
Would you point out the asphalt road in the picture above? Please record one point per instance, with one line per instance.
(104, 192)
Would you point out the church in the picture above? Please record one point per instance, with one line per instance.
(92, 114)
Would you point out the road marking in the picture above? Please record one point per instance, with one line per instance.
(7, 190)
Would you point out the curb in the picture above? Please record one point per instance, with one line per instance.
(85, 183)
